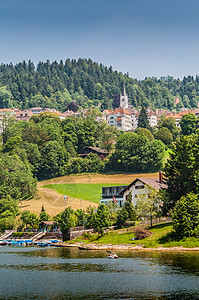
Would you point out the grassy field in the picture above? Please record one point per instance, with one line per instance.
(162, 235)
(53, 200)
(86, 191)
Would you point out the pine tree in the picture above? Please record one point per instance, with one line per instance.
(43, 215)
(143, 121)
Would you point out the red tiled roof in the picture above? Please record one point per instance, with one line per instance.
(107, 111)
(173, 115)
(121, 111)
(6, 109)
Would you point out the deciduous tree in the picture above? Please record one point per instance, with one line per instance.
(182, 170)
(186, 216)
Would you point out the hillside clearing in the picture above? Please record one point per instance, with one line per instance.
(54, 202)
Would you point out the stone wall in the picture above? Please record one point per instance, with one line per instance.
(74, 232)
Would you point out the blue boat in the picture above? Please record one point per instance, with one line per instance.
(43, 244)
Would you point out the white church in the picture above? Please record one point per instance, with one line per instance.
(121, 117)
(125, 117)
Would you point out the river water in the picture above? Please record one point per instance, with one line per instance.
(67, 273)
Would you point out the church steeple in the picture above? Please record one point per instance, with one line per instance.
(124, 99)
(124, 90)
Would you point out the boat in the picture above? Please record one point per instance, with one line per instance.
(111, 255)
(17, 243)
(43, 244)
(3, 243)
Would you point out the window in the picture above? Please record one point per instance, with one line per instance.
(138, 187)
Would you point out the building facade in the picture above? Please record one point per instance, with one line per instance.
(112, 194)
(139, 187)
(121, 119)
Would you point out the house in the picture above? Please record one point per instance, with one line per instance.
(23, 115)
(69, 113)
(48, 225)
(134, 113)
(121, 119)
(176, 116)
(109, 192)
(96, 150)
(140, 186)
(60, 115)
(152, 117)
(5, 114)
(36, 110)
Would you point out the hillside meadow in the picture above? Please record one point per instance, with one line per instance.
(81, 190)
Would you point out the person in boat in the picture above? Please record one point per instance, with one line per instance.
(111, 254)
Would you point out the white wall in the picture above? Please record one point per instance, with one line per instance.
(136, 191)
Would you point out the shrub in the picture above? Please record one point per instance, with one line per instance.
(141, 233)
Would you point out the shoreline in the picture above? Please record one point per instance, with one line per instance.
(124, 247)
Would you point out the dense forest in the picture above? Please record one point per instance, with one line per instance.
(54, 85)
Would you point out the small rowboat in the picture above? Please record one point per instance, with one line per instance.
(114, 256)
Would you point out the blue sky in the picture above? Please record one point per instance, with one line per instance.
(141, 37)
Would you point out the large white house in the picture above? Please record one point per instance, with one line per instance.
(121, 119)
(140, 186)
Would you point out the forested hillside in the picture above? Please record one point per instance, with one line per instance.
(54, 85)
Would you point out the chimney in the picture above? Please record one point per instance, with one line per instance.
(160, 177)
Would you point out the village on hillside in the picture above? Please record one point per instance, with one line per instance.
(125, 117)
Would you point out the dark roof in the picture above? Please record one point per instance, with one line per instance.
(97, 149)
(148, 181)
(48, 222)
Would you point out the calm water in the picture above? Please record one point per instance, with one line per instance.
(60, 273)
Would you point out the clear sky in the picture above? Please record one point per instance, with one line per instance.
(141, 37)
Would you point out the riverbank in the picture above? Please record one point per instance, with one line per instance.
(161, 238)
(104, 247)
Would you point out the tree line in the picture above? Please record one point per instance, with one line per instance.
(55, 84)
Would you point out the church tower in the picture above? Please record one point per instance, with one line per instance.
(124, 99)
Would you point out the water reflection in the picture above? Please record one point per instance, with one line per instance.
(60, 273)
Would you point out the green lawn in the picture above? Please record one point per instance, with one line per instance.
(84, 191)
(162, 236)
(158, 231)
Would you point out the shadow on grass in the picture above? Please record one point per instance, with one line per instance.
(162, 225)
(169, 237)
